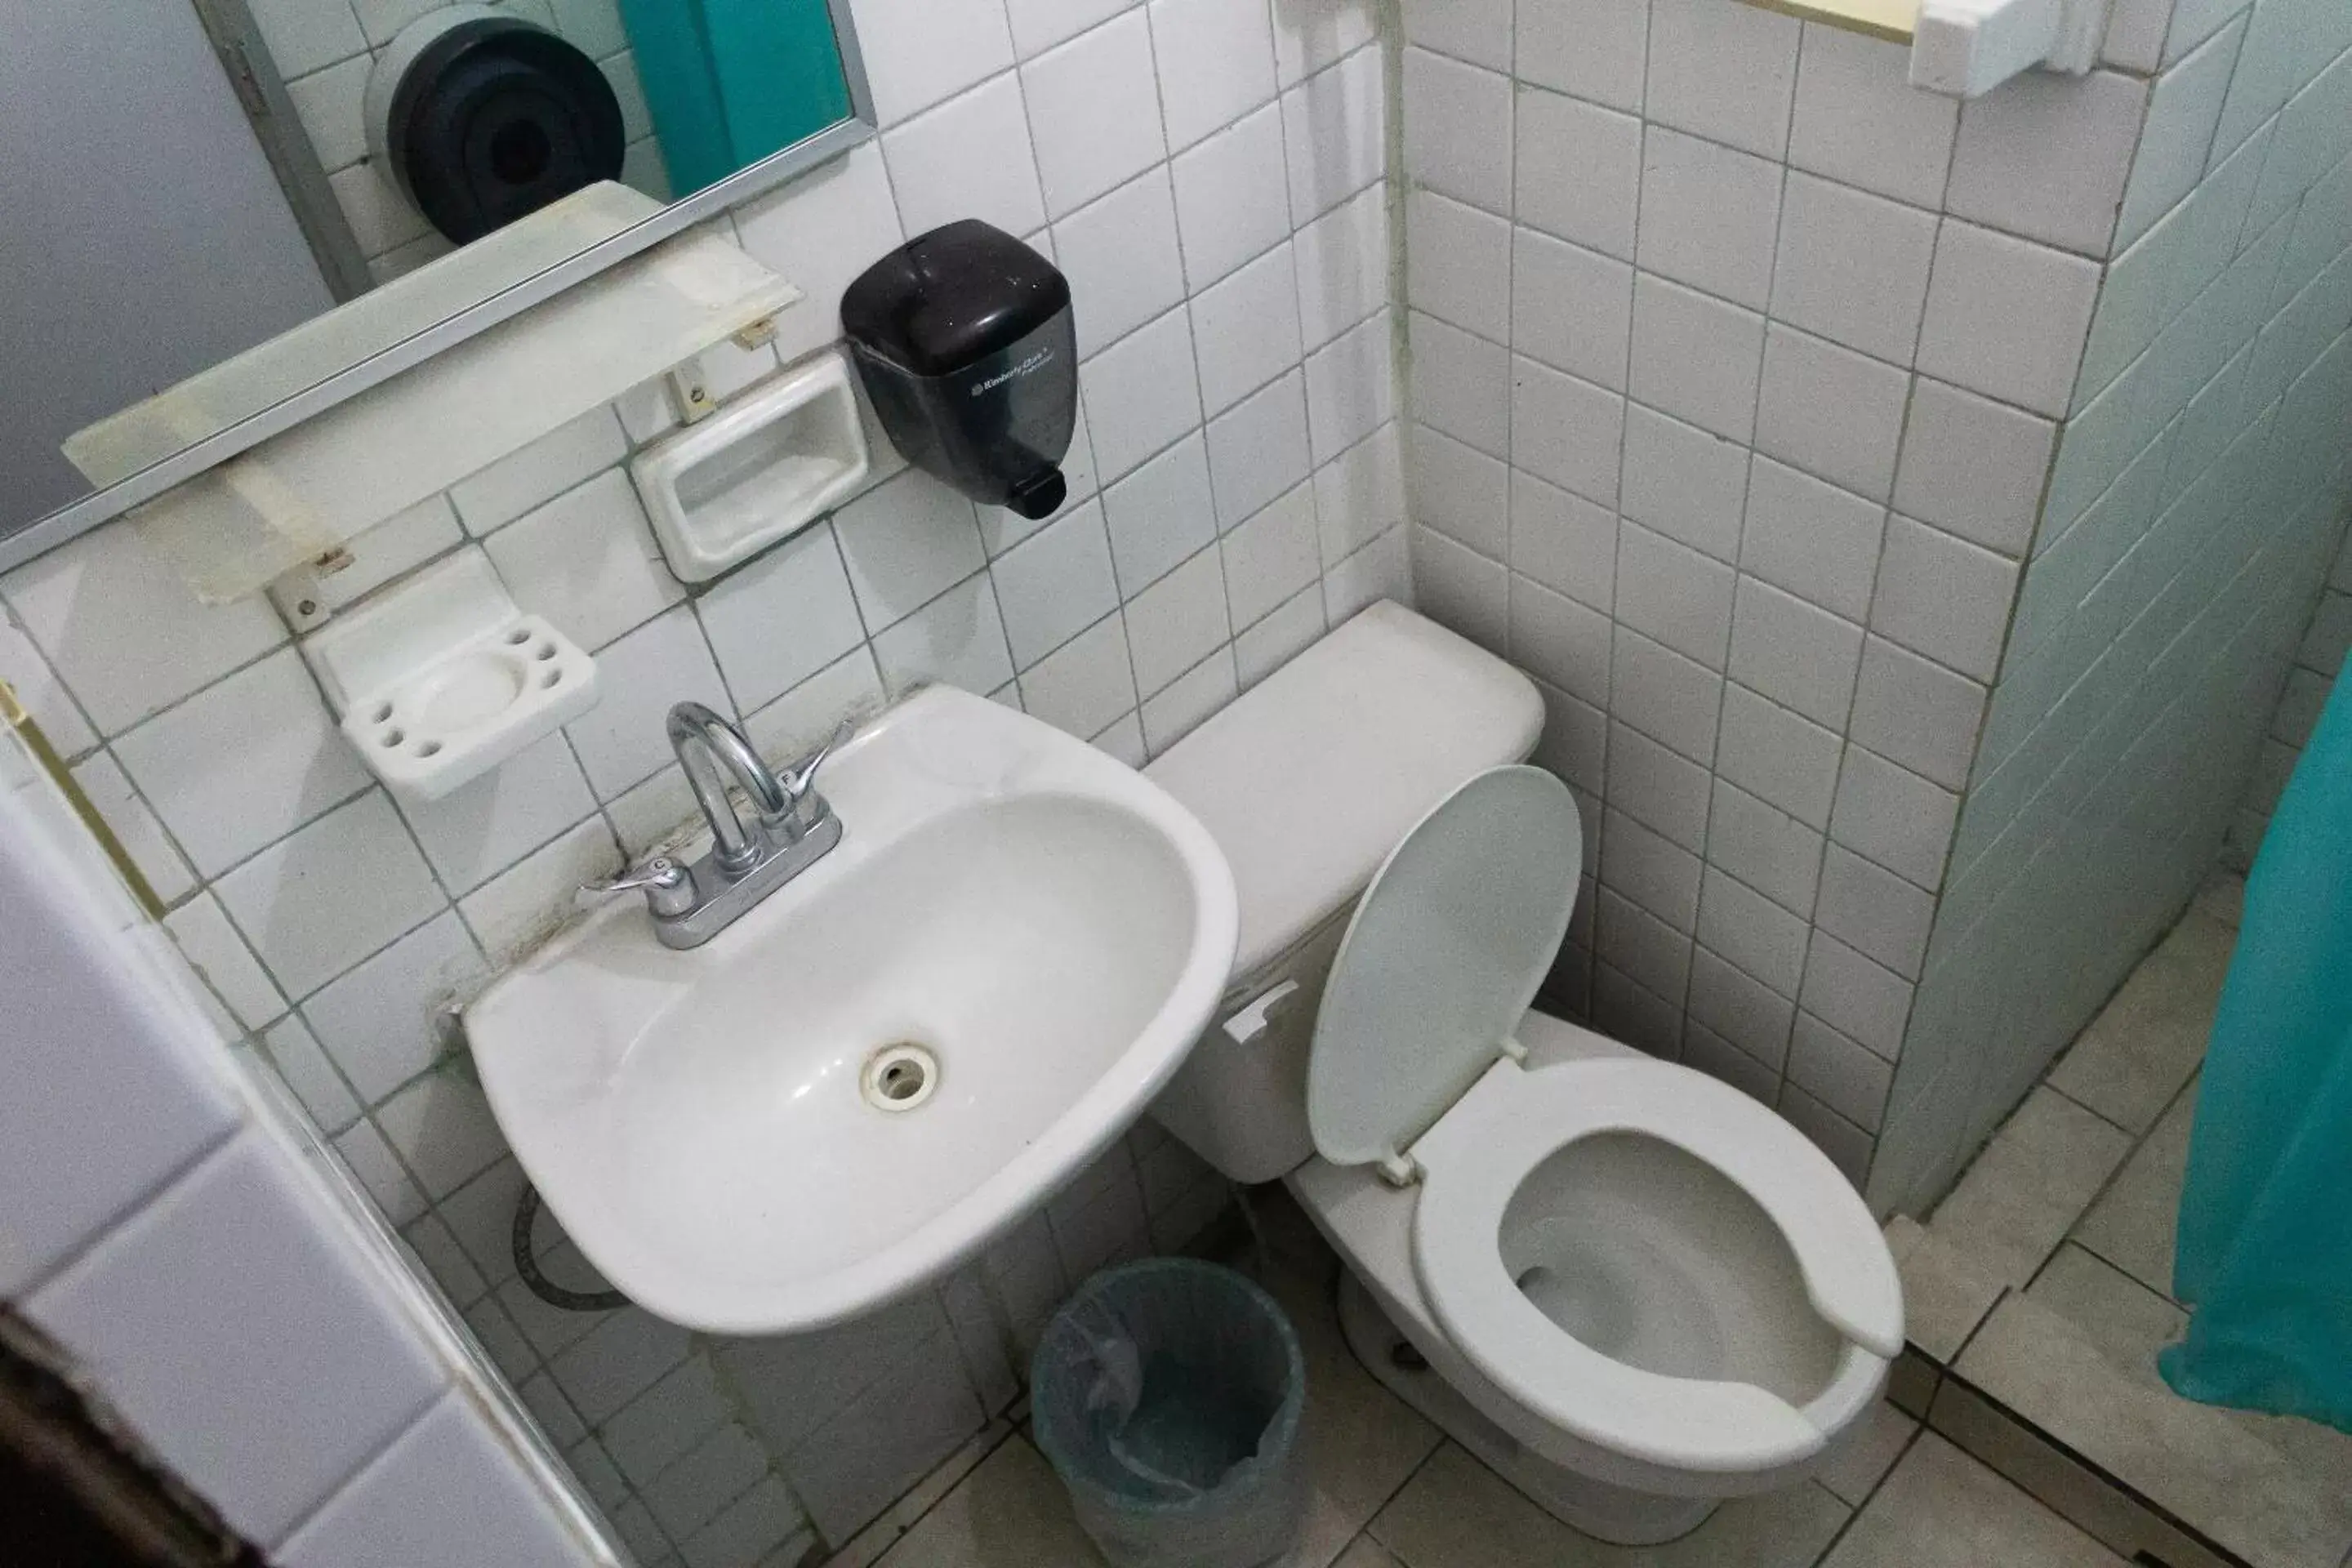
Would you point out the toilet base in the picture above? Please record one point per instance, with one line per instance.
(1614, 1514)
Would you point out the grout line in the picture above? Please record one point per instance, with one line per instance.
(2140, 1141)
(2136, 1501)
(2156, 1291)
(2043, 1082)
(90, 1244)
(1444, 1441)
(1948, 1367)
(859, 1550)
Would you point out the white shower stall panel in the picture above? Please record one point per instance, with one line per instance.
(258, 1334)
(1907, 505)
(2194, 509)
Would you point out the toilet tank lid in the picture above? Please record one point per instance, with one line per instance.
(1308, 780)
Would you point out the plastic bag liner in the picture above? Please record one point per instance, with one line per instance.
(1167, 1394)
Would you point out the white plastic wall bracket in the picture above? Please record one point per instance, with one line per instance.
(1965, 48)
(300, 592)
(689, 392)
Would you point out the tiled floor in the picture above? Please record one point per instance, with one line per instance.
(2053, 1256)
(2072, 1206)
(1389, 1491)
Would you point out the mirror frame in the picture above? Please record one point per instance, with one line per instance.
(104, 506)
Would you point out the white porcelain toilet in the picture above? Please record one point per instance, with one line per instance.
(1630, 1287)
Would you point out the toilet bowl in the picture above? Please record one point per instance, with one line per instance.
(1635, 1290)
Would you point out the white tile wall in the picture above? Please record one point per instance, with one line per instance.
(141, 833)
(2194, 505)
(968, 158)
(2006, 318)
(1237, 383)
(1578, 171)
(1858, 121)
(241, 762)
(2004, 176)
(1725, 75)
(1787, 348)
(1090, 119)
(2319, 659)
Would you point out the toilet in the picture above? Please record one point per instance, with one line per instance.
(1627, 1286)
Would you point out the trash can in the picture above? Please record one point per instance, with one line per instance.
(1167, 1394)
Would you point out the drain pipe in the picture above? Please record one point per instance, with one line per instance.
(526, 1217)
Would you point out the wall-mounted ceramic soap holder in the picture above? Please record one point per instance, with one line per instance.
(774, 460)
(443, 677)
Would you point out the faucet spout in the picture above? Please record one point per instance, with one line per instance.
(711, 751)
(789, 828)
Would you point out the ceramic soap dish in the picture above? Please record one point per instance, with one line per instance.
(772, 462)
(443, 677)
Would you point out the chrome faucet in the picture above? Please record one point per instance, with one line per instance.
(706, 743)
(791, 828)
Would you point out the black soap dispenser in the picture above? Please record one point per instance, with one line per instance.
(964, 340)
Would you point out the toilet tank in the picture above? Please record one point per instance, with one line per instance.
(1306, 782)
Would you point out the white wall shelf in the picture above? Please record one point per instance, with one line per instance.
(300, 495)
(1965, 48)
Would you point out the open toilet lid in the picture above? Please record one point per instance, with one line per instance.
(1444, 955)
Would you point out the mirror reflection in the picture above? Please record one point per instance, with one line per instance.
(454, 119)
(197, 176)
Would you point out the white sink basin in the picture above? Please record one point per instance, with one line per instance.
(1049, 927)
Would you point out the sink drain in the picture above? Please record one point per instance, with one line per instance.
(899, 1077)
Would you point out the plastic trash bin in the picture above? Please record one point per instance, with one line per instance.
(1167, 1394)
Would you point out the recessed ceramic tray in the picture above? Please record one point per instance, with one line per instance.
(774, 460)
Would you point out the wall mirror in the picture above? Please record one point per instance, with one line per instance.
(182, 180)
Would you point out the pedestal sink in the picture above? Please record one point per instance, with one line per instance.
(891, 1060)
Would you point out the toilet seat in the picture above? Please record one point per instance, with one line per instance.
(1413, 1071)
(1445, 950)
(1483, 1151)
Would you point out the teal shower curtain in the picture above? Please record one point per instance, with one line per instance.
(729, 81)
(2265, 1235)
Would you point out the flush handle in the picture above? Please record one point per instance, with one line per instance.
(1249, 1026)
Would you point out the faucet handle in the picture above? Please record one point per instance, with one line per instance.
(798, 780)
(665, 883)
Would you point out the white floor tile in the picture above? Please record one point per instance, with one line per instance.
(1010, 1510)
(2025, 1192)
(2148, 1042)
(1857, 1466)
(1941, 1509)
(2132, 1225)
(1455, 1513)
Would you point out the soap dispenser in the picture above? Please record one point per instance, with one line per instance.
(964, 340)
